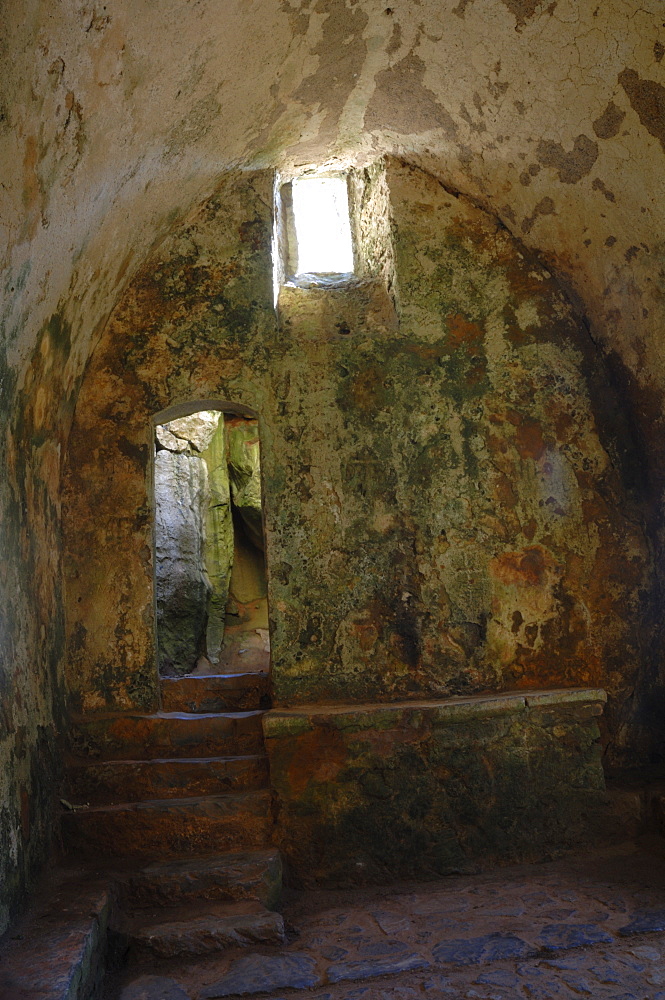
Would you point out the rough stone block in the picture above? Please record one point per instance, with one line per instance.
(371, 968)
(166, 735)
(428, 788)
(58, 949)
(116, 781)
(645, 922)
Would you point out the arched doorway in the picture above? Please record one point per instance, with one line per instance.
(211, 601)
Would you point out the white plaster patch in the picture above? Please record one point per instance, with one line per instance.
(527, 315)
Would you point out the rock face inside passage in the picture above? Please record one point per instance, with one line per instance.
(209, 543)
(245, 475)
(181, 582)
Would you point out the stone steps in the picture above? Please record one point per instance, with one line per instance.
(187, 790)
(170, 828)
(57, 950)
(215, 693)
(201, 929)
(249, 875)
(116, 781)
(167, 735)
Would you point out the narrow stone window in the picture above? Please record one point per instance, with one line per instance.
(313, 233)
(210, 578)
(322, 224)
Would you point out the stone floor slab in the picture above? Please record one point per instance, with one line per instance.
(560, 937)
(154, 988)
(645, 922)
(372, 968)
(265, 973)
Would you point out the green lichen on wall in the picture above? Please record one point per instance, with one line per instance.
(245, 476)
(32, 420)
(219, 537)
(443, 510)
(425, 790)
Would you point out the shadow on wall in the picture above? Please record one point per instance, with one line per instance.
(210, 574)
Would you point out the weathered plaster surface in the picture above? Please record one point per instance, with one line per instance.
(114, 120)
(443, 495)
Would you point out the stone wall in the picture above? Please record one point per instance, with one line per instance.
(426, 789)
(114, 123)
(31, 613)
(450, 505)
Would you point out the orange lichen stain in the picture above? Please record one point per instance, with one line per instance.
(530, 528)
(496, 445)
(424, 351)
(529, 440)
(481, 234)
(461, 332)
(528, 281)
(564, 422)
(319, 756)
(504, 493)
(525, 569)
(366, 636)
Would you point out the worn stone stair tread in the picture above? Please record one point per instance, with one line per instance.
(194, 716)
(214, 692)
(250, 874)
(164, 828)
(87, 762)
(203, 928)
(106, 782)
(184, 801)
(57, 948)
(167, 734)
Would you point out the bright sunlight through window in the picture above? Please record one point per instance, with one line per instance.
(323, 229)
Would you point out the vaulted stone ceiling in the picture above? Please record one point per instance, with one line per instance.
(118, 117)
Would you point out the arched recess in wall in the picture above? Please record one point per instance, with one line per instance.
(446, 508)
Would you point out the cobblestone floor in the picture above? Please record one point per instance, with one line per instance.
(591, 926)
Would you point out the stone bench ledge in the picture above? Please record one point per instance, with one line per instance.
(290, 721)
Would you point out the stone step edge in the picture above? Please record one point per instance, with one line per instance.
(166, 803)
(88, 720)
(72, 760)
(197, 862)
(206, 934)
(262, 675)
(142, 886)
(132, 920)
